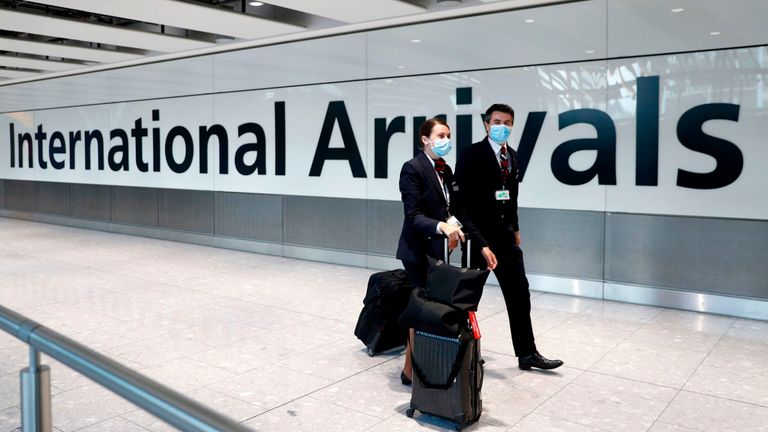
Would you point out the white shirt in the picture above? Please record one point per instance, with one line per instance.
(497, 150)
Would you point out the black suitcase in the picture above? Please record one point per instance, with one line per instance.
(447, 377)
(385, 300)
(448, 371)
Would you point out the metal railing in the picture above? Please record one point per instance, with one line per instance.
(153, 397)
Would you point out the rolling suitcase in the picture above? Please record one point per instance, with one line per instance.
(448, 371)
(385, 300)
(447, 377)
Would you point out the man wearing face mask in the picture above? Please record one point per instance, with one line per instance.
(431, 214)
(487, 184)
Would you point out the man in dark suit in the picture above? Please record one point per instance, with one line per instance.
(486, 181)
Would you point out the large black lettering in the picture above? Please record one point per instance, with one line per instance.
(463, 132)
(56, 147)
(189, 149)
(729, 159)
(155, 142)
(280, 138)
(463, 135)
(13, 144)
(528, 140)
(138, 133)
(40, 138)
(220, 133)
(121, 149)
(74, 137)
(337, 113)
(26, 138)
(381, 136)
(647, 132)
(417, 145)
(260, 163)
(605, 146)
(90, 136)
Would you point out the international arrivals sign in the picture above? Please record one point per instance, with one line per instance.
(639, 146)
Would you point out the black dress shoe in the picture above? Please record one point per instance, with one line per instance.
(404, 379)
(538, 361)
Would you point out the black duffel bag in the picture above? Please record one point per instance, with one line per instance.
(455, 286)
(430, 316)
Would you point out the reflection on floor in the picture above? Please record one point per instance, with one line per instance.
(268, 341)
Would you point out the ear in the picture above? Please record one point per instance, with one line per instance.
(424, 140)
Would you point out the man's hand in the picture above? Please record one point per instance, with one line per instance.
(490, 258)
(517, 238)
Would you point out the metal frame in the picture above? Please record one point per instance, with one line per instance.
(166, 404)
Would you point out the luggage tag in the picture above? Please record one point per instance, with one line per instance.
(474, 324)
(502, 195)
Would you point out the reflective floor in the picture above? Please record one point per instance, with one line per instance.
(269, 341)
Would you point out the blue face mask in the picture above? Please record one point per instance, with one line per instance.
(500, 133)
(441, 147)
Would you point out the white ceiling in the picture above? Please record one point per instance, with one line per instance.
(48, 36)
(40, 38)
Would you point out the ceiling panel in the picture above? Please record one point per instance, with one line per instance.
(351, 11)
(64, 51)
(6, 73)
(653, 26)
(27, 63)
(183, 15)
(71, 29)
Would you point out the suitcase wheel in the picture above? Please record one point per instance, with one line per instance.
(370, 352)
(409, 412)
(459, 423)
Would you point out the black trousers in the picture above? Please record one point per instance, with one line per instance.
(510, 272)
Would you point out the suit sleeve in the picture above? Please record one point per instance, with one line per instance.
(459, 203)
(411, 185)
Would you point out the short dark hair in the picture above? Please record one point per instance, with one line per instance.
(428, 125)
(500, 108)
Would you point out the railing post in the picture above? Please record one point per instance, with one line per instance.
(36, 395)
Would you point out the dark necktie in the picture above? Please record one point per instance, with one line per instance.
(440, 168)
(504, 164)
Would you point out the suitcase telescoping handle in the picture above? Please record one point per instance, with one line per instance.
(469, 245)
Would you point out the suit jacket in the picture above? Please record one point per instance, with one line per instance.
(478, 177)
(425, 205)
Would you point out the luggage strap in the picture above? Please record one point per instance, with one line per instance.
(454, 369)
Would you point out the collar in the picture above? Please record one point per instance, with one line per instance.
(496, 147)
(432, 161)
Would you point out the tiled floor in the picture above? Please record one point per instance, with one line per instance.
(268, 341)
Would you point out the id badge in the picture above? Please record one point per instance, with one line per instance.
(502, 195)
(454, 222)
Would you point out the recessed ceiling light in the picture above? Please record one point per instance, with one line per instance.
(415, 40)
(714, 33)
(255, 3)
(401, 67)
(676, 10)
(590, 51)
(530, 20)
